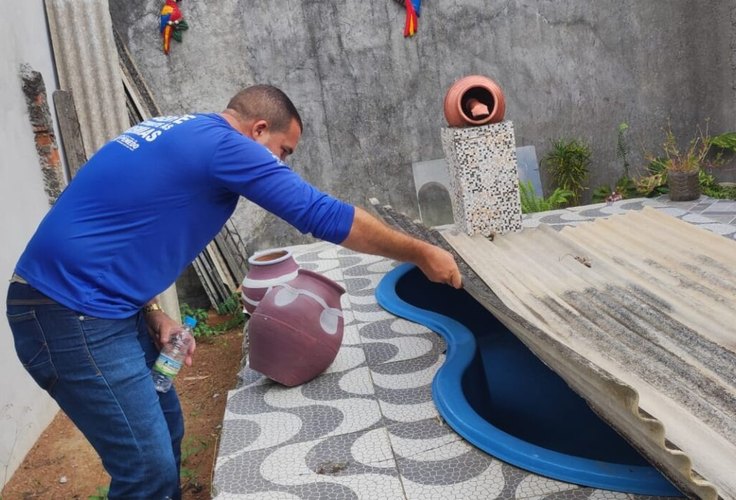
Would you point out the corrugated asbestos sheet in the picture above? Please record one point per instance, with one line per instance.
(88, 66)
(638, 314)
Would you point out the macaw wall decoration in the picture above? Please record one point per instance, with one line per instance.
(412, 14)
(172, 23)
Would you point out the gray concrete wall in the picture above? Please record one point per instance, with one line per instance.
(372, 100)
(25, 410)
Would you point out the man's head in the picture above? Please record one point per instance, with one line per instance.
(267, 115)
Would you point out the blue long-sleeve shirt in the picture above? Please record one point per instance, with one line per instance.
(143, 207)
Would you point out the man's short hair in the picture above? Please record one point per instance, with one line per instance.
(266, 102)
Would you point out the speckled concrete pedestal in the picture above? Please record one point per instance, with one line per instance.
(484, 180)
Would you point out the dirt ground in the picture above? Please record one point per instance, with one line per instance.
(63, 465)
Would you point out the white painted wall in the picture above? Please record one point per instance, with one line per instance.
(25, 410)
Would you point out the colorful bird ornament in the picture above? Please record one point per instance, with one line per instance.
(172, 23)
(412, 13)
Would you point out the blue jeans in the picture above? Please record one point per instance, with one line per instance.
(99, 372)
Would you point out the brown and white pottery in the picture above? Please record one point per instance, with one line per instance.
(296, 331)
(266, 269)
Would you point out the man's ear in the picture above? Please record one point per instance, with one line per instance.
(258, 128)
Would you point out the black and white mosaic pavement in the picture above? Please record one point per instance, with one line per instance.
(367, 428)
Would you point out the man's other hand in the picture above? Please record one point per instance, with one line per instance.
(161, 327)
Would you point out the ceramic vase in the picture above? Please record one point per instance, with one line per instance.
(683, 186)
(296, 331)
(474, 100)
(266, 269)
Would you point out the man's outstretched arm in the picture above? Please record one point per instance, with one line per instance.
(370, 235)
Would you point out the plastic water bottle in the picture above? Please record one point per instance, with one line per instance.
(172, 356)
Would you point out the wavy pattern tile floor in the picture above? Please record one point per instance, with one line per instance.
(367, 428)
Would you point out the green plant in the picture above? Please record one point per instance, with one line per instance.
(710, 187)
(601, 193)
(622, 147)
(568, 162)
(690, 159)
(99, 494)
(625, 188)
(201, 315)
(695, 157)
(654, 181)
(189, 447)
(725, 141)
(530, 202)
(237, 319)
(231, 306)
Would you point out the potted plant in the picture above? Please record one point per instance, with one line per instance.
(683, 165)
(679, 168)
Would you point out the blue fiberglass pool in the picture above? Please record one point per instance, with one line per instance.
(500, 397)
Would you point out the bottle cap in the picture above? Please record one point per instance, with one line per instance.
(190, 322)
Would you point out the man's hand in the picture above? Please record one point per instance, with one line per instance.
(161, 327)
(370, 235)
(439, 266)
